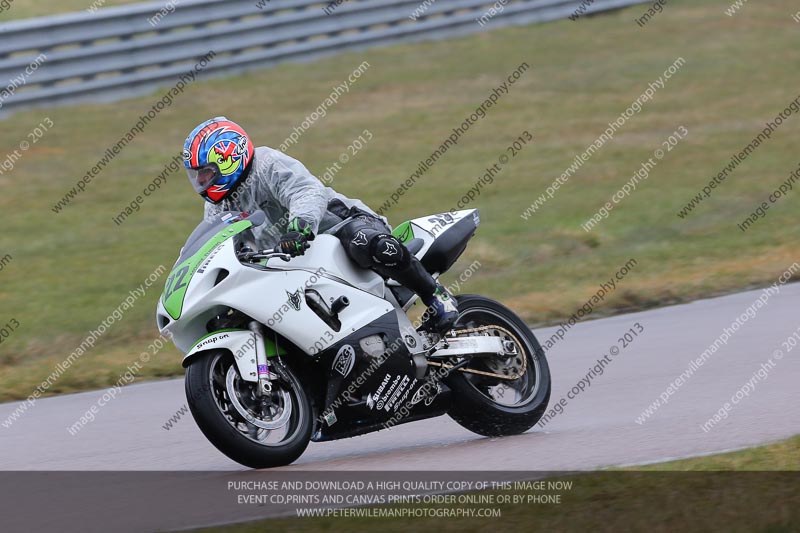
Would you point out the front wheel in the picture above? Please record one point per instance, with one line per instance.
(258, 432)
(496, 396)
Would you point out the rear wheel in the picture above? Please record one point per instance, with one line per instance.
(499, 396)
(259, 432)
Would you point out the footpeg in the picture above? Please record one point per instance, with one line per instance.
(420, 363)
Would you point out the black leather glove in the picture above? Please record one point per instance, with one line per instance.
(296, 239)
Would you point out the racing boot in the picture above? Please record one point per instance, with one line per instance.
(442, 311)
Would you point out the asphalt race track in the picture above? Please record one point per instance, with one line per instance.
(597, 428)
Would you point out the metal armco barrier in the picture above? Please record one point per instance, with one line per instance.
(128, 50)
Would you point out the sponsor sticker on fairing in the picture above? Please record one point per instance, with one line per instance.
(344, 360)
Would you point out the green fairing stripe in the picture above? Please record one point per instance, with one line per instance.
(181, 275)
(404, 232)
(271, 347)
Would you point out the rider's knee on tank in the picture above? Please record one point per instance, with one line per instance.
(370, 249)
(387, 251)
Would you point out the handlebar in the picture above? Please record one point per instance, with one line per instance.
(306, 246)
(262, 254)
(250, 255)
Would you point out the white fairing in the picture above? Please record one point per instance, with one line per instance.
(327, 251)
(274, 295)
(242, 344)
(266, 295)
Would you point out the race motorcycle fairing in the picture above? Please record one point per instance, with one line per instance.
(280, 350)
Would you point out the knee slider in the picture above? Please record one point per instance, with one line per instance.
(386, 250)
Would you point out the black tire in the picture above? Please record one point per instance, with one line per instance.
(474, 410)
(202, 397)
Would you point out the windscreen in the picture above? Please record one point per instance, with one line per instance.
(208, 228)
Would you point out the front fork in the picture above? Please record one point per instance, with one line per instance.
(262, 363)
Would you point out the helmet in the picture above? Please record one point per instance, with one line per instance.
(217, 156)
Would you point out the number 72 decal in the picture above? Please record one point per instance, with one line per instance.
(176, 282)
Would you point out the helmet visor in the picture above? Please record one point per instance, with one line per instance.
(203, 177)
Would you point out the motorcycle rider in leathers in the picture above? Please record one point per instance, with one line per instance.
(232, 175)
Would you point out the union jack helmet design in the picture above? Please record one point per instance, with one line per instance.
(216, 155)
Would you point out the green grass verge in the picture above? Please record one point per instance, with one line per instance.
(757, 497)
(70, 270)
(779, 456)
(23, 9)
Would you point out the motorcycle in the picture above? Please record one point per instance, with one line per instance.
(281, 351)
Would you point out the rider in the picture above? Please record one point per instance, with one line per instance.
(232, 175)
